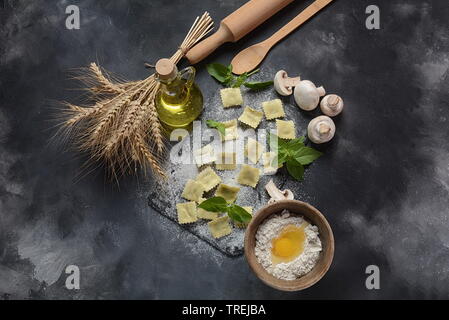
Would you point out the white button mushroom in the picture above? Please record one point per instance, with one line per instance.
(332, 105)
(283, 84)
(321, 129)
(307, 95)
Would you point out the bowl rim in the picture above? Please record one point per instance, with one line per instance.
(259, 270)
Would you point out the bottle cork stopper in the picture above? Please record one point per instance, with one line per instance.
(166, 69)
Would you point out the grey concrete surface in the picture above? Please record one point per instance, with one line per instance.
(383, 183)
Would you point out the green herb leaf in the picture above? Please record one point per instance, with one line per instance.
(220, 72)
(219, 204)
(223, 74)
(281, 158)
(216, 204)
(276, 143)
(296, 144)
(217, 125)
(294, 153)
(306, 155)
(295, 169)
(240, 80)
(234, 216)
(239, 214)
(258, 85)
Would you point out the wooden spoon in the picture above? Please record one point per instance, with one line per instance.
(249, 58)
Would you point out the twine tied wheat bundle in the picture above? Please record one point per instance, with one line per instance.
(123, 128)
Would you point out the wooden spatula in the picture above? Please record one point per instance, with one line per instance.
(249, 58)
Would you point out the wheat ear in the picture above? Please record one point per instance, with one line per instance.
(105, 84)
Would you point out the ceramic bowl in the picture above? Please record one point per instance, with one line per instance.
(312, 215)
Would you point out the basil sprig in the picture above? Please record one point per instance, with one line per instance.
(294, 154)
(219, 204)
(224, 75)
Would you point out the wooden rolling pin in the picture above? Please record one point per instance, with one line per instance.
(236, 26)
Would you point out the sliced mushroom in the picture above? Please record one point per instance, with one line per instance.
(283, 84)
(332, 105)
(321, 129)
(307, 95)
(277, 194)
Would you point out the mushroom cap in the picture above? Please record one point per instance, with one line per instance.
(307, 95)
(283, 84)
(321, 129)
(332, 105)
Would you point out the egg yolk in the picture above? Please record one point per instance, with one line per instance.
(289, 244)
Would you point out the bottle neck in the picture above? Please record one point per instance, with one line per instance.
(174, 90)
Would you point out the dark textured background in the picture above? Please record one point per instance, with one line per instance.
(383, 184)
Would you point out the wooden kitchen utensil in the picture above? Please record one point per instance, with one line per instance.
(236, 26)
(251, 57)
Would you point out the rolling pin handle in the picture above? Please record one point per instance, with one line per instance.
(209, 45)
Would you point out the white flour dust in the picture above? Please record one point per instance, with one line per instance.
(304, 263)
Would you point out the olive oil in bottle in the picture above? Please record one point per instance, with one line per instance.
(179, 100)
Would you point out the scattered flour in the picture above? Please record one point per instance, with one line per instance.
(163, 198)
(304, 263)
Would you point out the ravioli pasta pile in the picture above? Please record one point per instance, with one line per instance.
(210, 162)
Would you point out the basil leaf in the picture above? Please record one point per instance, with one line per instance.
(220, 72)
(275, 143)
(239, 214)
(216, 204)
(295, 169)
(296, 144)
(258, 85)
(217, 125)
(234, 216)
(306, 155)
(282, 157)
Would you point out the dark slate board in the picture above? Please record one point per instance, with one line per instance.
(164, 198)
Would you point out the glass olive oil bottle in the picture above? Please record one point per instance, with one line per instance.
(179, 100)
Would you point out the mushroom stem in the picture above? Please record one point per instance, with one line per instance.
(324, 128)
(321, 91)
(291, 82)
(277, 194)
(333, 101)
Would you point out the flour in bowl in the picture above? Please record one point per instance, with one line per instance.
(287, 246)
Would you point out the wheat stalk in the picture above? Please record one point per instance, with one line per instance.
(123, 126)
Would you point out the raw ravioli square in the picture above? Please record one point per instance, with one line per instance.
(273, 109)
(207, 215)
(249, 176)
(220, 227)
(268, 159)
(229, 193)
(251, 117)
(254, 150)
(286, 129)
(231, 130)
(208, 178)
(231, 97)
(226, 161)
(193, 191)
(205, 155)
(187, 212)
